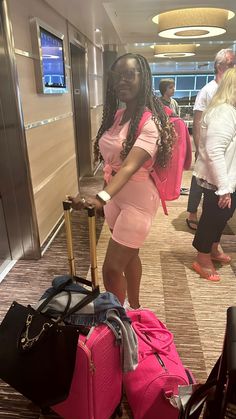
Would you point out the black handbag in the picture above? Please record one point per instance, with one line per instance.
(37, 354)
(218, 394)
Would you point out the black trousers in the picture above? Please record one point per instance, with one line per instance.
(195, 195)
(212, 222)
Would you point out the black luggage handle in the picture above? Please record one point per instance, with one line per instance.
(92, 241)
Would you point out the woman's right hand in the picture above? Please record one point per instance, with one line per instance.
(224, 201)
(77, 202)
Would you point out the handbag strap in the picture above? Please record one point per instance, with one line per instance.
(91, 295)
(195, 404)
(147, 333)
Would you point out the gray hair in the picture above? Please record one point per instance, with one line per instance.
(221, 57)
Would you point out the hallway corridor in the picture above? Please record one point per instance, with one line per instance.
(193, 308)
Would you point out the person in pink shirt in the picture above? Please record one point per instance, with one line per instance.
(130, 199)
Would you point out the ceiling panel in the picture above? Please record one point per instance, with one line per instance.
(128, 24)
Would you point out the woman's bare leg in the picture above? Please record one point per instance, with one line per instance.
(133, 274)
(115, 264)
(204, 259)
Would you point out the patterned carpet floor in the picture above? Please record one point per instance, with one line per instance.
(193, 308)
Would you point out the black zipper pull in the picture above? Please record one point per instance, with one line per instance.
(160, 361)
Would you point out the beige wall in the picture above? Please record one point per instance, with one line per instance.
(51, 146)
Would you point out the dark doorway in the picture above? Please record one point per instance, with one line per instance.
(81, 110)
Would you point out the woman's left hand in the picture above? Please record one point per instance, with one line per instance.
(225, 201)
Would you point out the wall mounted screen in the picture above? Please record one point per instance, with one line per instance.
(49, 62)
(52, 60)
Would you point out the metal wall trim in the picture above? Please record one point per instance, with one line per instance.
(25, 53)
(96, 106)
(96, 76)
(36, 124)
(29, 54)
(6, 267)
(52, 234)
(38, 188)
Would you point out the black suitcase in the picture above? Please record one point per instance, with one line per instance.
(218, 395)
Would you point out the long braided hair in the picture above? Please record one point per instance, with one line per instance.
(145, 99)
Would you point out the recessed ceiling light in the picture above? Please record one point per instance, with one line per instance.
(175, 50)
(191, 23)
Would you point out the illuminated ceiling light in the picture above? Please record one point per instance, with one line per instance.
(175, 50)
(189, 23)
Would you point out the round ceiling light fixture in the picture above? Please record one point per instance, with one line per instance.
(200, 22)
(175, 50)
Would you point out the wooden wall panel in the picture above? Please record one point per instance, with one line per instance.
(96, 119)
(37, 107)
(49, 146)
(51, 197)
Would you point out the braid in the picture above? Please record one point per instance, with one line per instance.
(145, 99)
(109, 111)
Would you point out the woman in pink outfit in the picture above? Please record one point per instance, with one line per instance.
(129, 198)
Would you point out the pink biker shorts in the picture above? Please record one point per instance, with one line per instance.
(130, 213)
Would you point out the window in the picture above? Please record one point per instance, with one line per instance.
(185, 82)
(200, 82)
(186, 85)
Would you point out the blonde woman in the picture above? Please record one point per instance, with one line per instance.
(215, 170)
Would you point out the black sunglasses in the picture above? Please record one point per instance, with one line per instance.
(127, 75)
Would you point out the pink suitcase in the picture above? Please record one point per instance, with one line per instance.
(96, 387)
(151, 387)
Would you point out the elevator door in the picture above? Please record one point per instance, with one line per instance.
(18, 224)
(81, 110)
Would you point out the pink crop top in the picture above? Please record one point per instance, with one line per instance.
(111, 145)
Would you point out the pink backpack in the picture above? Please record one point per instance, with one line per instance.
(168, 179)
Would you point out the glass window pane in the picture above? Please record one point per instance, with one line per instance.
(210, 78)
(200, 82)
(156, 82)
(185, 82)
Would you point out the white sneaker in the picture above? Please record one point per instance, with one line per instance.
(127, 306)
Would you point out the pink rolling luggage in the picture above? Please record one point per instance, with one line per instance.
(151, 388)
(96, 387)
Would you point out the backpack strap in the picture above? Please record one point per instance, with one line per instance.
(159, 185)
(153, 173)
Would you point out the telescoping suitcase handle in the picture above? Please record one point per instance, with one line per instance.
(92, 241)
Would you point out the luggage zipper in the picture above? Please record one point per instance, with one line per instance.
(161, 362)
(157, 355)
(92, 367)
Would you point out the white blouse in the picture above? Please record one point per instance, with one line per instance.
(216, 162)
